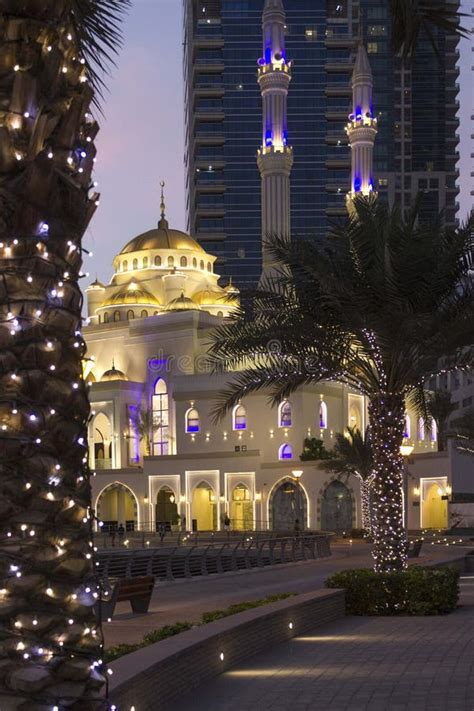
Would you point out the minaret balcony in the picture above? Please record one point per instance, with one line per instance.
(363, 121)
(276, 66)
(267, 150)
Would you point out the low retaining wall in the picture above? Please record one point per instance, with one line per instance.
(152, 678)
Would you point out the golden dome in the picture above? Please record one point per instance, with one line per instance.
(231, 288)
(182, 303)
(131, 294)
(213, 297)
(113, 374)
(162, 238)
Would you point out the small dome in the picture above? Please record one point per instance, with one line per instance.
(162, 238)
(113, 374)
(214, 297)
(231, 288)
(209, 297)
(96, 285)
(131, 294)
(182, 303)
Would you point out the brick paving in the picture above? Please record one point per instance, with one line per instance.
(357, 664)
(188, 599)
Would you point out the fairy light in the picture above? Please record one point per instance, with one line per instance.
(41, 303)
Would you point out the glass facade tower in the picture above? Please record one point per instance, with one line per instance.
(223, 113)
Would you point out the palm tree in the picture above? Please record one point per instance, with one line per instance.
(440, 408)
(144, 421)
(411, 18)
(462, 431)
(54, 53)
(352, 456)
(375, 308)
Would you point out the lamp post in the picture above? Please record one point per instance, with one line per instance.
(405, 451)
(297, 474)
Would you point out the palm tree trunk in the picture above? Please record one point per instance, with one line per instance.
(386, 414)
(365, 494)
(51, 643)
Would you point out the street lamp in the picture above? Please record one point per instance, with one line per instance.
(405, 450)
(297, 474)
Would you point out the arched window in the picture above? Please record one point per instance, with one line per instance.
(116, 315)
(201, 264)
(434, 431)
(159, 406)
(157, 261)
(192, 420)
(323, 415)
(195, 262)
(219, 313)
(130, 315)
(421, 429)
(155, 313)
(285, 452)
(209, 267)
(171, 261)
(125, 266)
(407, 427)
(183, 262)
(239, 418)
(135, 264)
(284, 414)
(106, 317)
(100, 318)
(144, 313)
(145, 262)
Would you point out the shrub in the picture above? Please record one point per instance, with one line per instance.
(166, 631)
(416, 591)
(119, 650)
(242, 606)
(170, 630)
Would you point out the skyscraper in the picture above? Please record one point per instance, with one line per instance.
(415, 112)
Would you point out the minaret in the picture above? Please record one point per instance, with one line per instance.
(275, 157)
(362, 127)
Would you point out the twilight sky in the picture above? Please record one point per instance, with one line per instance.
(141, 139)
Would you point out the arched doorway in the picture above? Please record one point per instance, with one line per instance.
(434, 511)
(336, 508)
(241, 509)
(116, 505)
(102, 438)
(204, 508)
(166, 508)
(288, 504)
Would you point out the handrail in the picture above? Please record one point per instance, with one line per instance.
(219, 557)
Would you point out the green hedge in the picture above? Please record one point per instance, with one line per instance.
(417, 591)
(242, 606)
(170, 630)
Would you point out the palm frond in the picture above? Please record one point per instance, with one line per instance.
(97, 30)
(414, 18)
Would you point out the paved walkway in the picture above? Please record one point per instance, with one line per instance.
(357, 664)
(187, 599)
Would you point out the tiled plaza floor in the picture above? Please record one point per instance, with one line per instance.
(188, 599)
(357, 664)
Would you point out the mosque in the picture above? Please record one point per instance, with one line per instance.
(157, 454)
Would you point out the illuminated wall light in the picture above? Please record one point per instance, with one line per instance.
(221, 656)
(290, 625)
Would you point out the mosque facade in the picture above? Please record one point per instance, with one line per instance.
(158, 453)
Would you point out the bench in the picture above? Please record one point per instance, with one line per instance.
(415, 549)
(137, 590)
